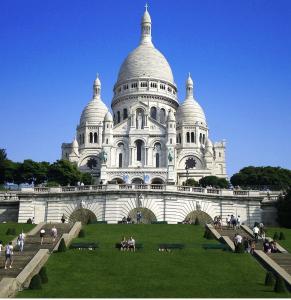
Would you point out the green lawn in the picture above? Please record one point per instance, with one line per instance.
(18, 227)
(192, 272)
(287, 232)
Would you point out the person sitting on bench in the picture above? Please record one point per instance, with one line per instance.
(131, 244)
(123, 244)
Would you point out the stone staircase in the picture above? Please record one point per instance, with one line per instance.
(283, 260)
(31, 247)
(230, 232)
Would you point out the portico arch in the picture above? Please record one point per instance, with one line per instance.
(137, 180)
(83, 215)
(147, 216)
(118, 180)
(202, 217)
(157, 180)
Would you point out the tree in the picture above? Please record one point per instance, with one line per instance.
(214, 182)
(274, 178)
(87, 178)
(284, 210)
(191, 182)
(64, 172)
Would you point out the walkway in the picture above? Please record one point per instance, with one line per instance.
(31, 246)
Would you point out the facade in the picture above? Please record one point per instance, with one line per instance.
(149, 137)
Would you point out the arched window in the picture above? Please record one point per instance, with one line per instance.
(200, 138)
(90, 137)
(203, 139)
(138, 150)
(120, 160)
(171, 141)
(157, 160)
(162, 115)
(80, 139)
(107, 141)
(118, 117)
(188, 137)
(95, 137)
(192, 137)
(83, 138)
(154, 112)
(180, 138)
(125, 113)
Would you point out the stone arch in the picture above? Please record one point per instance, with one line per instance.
(200, 161)
(158, 180)
(118, 180)
(137, 180)
(147, 216)
(202, 217)
(83, 215)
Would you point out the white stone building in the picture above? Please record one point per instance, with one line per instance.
(149, 137)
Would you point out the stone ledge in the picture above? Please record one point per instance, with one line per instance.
(273, 265)
(68, 237)
(229, 242)
(32, 267)
(213, 231)
(8, 287)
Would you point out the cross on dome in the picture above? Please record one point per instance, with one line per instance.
(146, 6)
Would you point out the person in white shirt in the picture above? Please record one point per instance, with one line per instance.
(21, 238)
(238, 221)
(256, 231)
(8, 255)
(41, 234)
(131, 244)
(54, 233)
(1, 247)
(237, 239)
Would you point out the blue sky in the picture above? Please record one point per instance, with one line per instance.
(238, 53)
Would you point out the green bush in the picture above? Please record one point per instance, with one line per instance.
(62, 246)
(43, 275)
(11, 231)
(8, 232)
(276, 236)
(35, 283)
(280, 286)
(239, 248)
(81, 233)
(197, 222)
(208, 235)
(269, 279)
(282, 236)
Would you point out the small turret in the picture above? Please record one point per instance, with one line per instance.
(146, 27)
(97, 88)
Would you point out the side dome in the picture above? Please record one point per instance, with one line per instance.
(108, 117)
(190, 111)
(95, 110)
(145, 61)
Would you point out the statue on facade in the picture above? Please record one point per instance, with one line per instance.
(103, 156)
(170, 156)
(139, 121)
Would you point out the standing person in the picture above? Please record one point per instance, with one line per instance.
(138, 217)
(63, 219)
(238, 222)
(8, 255)
(42, 234)
(228, 221)
(253, 246)
(256, 231)
(54, 233)
(21, 238)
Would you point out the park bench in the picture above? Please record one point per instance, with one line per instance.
(137, 246)
(89, 246)
(159, 222)
(215, 246)
(172, 246)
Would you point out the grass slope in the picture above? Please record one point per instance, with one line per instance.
(287, 232)
(192, 272)
(18, 227)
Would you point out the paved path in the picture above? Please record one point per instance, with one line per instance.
(31, 247)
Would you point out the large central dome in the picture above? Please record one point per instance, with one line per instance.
(145, 60)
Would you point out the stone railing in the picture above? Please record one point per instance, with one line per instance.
(148, 187)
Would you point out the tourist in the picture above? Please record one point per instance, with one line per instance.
(267, 246)
(253, 246)
(237, 239)
(54, 233)
(20, 241)
(238, 221)
(262, 234)
(274, 248)
(8, 255)
(256, 231)
(138, 217)
(1, 247)
(246, 244)
(233, 221)
(123, 244)
(228, 221)
(41, 234)
(63, 219)
(128, 220)
(131, 244)
(124, 221)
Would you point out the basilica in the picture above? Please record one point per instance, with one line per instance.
(150, 137)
